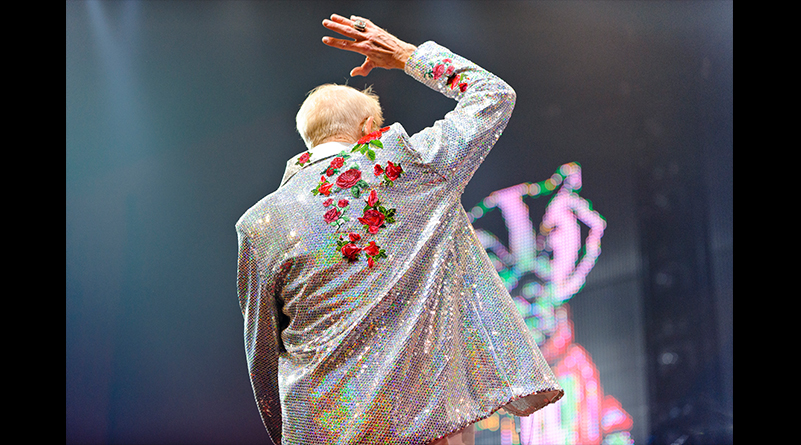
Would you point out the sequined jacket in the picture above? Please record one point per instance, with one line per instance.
(372, 314)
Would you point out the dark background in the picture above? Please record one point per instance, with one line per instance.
(180, 116)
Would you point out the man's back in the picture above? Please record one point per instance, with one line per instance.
(371, 310)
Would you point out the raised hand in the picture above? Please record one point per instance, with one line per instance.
(380, 48)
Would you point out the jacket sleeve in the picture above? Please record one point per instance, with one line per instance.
(262, 334)
(456, 145)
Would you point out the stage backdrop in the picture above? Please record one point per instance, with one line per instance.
(606, 204)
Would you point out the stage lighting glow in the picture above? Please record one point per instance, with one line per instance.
(543, 269)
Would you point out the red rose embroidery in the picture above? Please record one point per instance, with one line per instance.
(375, 216)
(325, 188)
(439, 69)
(304, 158)
(393, 171)
(372, 136)
(458, 80)
(446, 70)
(349, 178)
(351, 251)
(452, 81)
(372, 198)
(373, 219)
(371, 249)
(373, 252)
(332, 215)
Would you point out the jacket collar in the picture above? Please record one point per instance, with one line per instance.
(318, 153)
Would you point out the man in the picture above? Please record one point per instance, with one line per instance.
(372, 313)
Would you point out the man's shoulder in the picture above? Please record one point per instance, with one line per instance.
(257, 215)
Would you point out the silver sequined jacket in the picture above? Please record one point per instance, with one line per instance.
(372, 314)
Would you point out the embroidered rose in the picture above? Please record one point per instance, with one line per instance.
(372, 198)
(332, 215)
(439, 69)
(323, 187)
(373, 252)
(335, 164)
(371, 249)
(445, 69)
(374, 216)
(304, 158)
(364, 144)
(373, 219)
(350, 251)
(372, 136)
(393, 171)
(349, 178)
(458, 80)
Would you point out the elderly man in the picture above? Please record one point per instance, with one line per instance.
(372, 313)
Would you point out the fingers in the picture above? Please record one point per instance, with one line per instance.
(344, 26)
(363, 70)
(348, 45)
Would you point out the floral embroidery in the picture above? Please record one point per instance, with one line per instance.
(323, 187)
(373, 252)
(375, 216)
(303, 159)
(349, 248)
(391, 172)
(351, 178)
(457, 79)
(336, 214)
(335, 165)
(445, 68)
(363, 144)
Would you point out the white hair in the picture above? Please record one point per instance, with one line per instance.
(336, 110)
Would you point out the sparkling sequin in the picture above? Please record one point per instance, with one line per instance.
(424, 342)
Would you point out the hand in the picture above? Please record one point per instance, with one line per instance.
(380, 48)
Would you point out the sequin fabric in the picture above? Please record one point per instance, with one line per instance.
(425, 342)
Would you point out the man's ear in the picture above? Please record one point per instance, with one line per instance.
(368, 126)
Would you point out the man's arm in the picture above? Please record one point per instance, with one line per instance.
(456, 145)
(262, 335)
